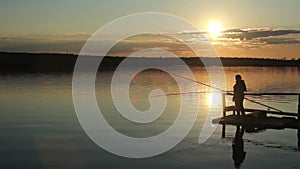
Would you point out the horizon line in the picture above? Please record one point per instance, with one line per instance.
(158, 57)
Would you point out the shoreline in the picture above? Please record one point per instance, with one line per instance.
(11, 62)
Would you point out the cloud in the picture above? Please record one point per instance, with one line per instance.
(58, 42)
(72, 35)
(246, 37)
(231, 42)
(286, 41)
(250, 34)
(40, 46)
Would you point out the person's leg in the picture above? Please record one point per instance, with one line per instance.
(237, 107)
(242, 107)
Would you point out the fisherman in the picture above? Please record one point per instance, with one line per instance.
(238, 96)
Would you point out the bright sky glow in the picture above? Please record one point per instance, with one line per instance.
(215, 29)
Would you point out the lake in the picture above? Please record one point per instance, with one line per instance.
(39, 127)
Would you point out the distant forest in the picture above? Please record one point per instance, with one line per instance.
(45, 62)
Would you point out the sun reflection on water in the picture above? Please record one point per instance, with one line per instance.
(214, 100)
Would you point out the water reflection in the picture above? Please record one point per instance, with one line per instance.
(214, 100)
(298, 135)
(238, 153)
(238, 150)
(39, 127)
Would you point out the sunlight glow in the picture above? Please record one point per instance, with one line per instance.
(215, 100)
(215, 29)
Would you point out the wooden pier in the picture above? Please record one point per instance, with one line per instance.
(256, 119)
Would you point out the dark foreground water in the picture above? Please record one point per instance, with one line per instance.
(39, 126)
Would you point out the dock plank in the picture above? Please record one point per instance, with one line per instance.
(258, 122)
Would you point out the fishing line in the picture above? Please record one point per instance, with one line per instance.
(227, 92)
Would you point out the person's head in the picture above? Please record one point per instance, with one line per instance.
(238, 77)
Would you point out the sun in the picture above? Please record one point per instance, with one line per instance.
(214, 29)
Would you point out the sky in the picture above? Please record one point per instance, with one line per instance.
(256, 28)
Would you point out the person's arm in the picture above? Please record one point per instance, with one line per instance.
(233, 94)
(245, 88)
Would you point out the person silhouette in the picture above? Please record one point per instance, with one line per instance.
(238, 153)
(238, 94)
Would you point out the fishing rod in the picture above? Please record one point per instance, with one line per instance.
(201, 83)
(228, 92)
(174, 94)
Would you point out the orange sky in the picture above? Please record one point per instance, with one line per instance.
(255, 28)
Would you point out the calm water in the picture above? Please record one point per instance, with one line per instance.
(39, 127)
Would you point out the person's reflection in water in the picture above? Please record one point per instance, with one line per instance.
(238, 153)
(298, 135)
